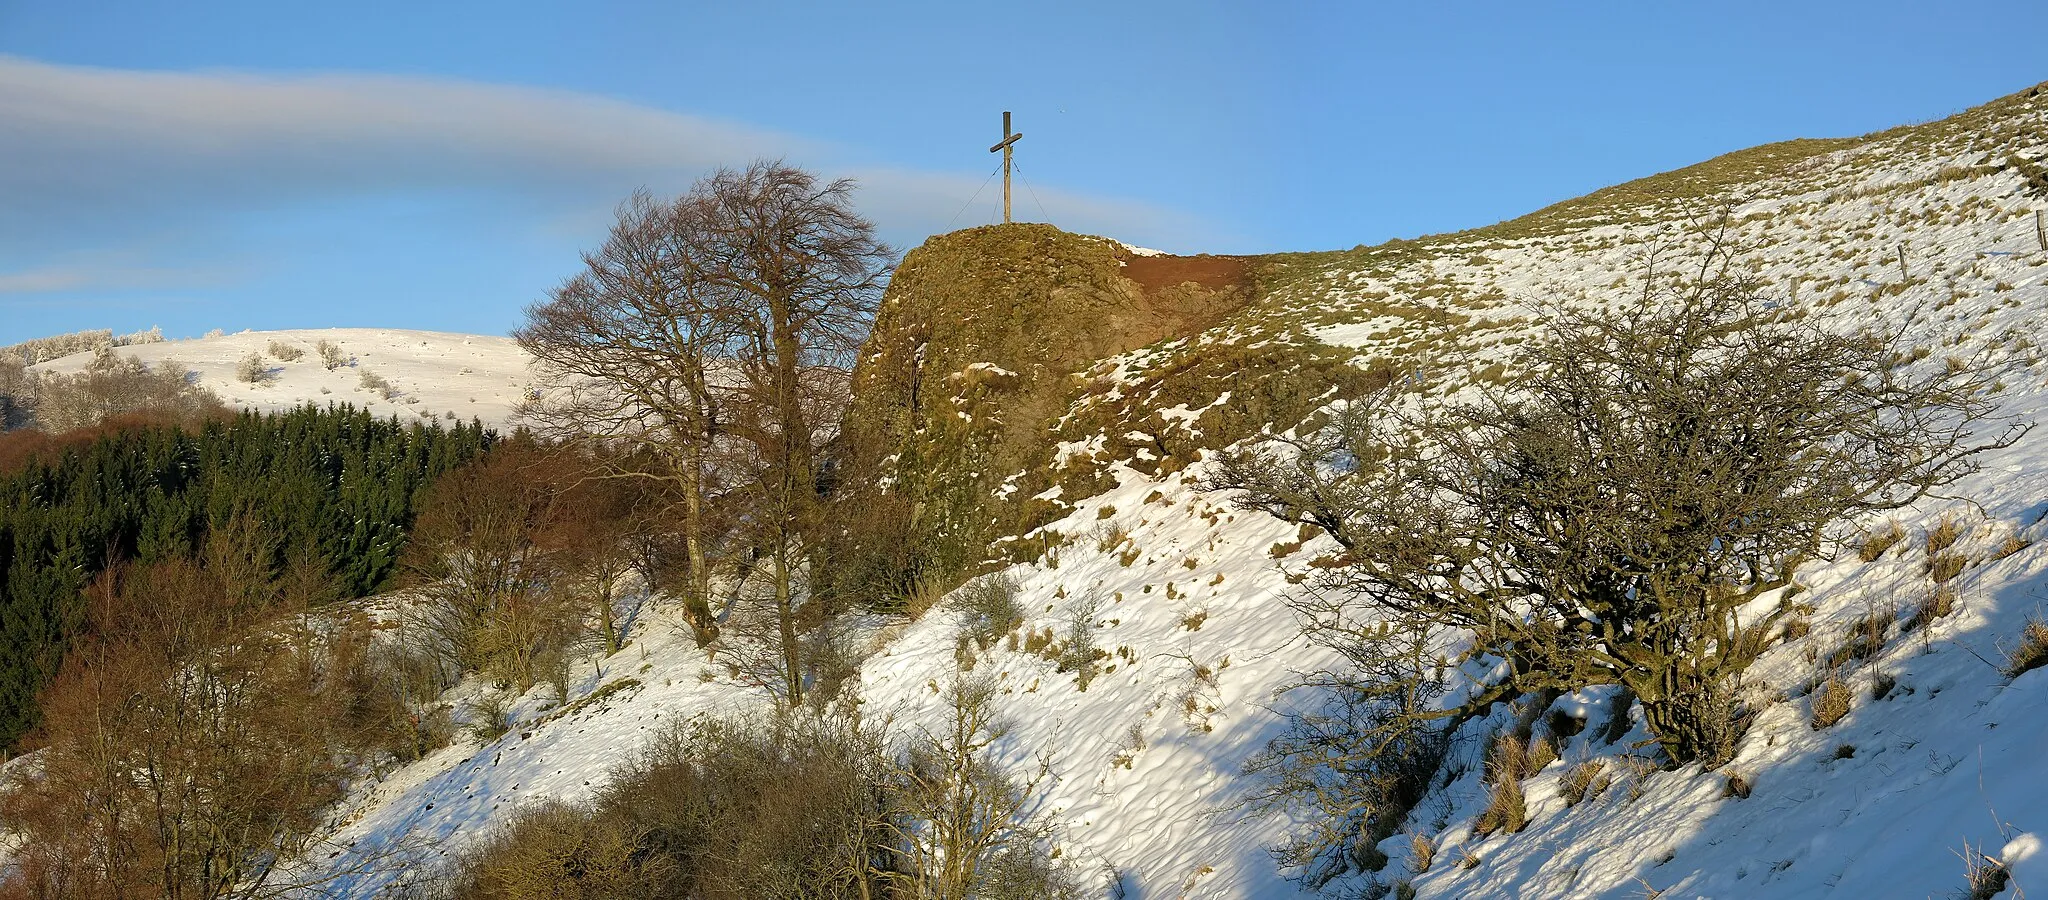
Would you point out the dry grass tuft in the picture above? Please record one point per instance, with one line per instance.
(2013, 544)
(1421, 853)
(1577, 783)
(1831, 702)
(1945, 567)
(1507, 763)
(1943, 535)
(1984, 877)
(1737, 787)
(2031, 652)
(1875, 543)
(1938, 604)
(1507, 759)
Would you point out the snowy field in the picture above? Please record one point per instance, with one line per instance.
(429, 374)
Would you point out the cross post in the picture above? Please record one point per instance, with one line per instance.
(1008, 143)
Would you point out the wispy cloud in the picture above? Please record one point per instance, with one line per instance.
(97, 157)
(118, 270)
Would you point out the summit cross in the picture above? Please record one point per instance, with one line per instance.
(1008, 143)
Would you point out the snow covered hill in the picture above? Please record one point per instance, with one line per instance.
(1939, 755)
(411, 374)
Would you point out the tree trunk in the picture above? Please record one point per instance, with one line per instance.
(1691, 715)
(785, 615)
(697, 603)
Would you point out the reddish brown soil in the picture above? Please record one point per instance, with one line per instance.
(1180, 296)
(1216, 273)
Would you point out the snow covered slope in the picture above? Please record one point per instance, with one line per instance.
(1938, 752)
(429, 374)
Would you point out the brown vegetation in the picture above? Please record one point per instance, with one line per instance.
(1547, 521)
(192, 744)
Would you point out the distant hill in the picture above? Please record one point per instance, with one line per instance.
(426, 374)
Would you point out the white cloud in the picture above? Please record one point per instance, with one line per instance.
(95, 157)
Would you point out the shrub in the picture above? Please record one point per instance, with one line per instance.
(253, 369)
(285, 352)
(1830, 702)
(489, 715)
(168, 669)
(375, 383)
(331, 356)
(988, 608)
(787, 808)
(1077, 652)
(2032, 650)
(113, 385)
(553, 851)
(1412, 490)
(1350, 771)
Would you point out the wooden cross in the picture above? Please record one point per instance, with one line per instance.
(1009, 141)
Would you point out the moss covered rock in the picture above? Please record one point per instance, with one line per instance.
(973, 358)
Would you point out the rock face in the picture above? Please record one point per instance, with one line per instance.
(974, 357)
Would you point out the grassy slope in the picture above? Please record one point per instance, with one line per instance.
(1185, 593)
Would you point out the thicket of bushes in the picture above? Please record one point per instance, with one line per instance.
(521, 561)
(801, 805)
(195, 738)
(48, 348)
(337, 488)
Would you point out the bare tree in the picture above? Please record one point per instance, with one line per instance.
(715, 332)
(487, 582)
(628, 350)
(1612, 519)
(807, 272)
(591, 537)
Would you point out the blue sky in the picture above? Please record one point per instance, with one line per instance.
(201, 165)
